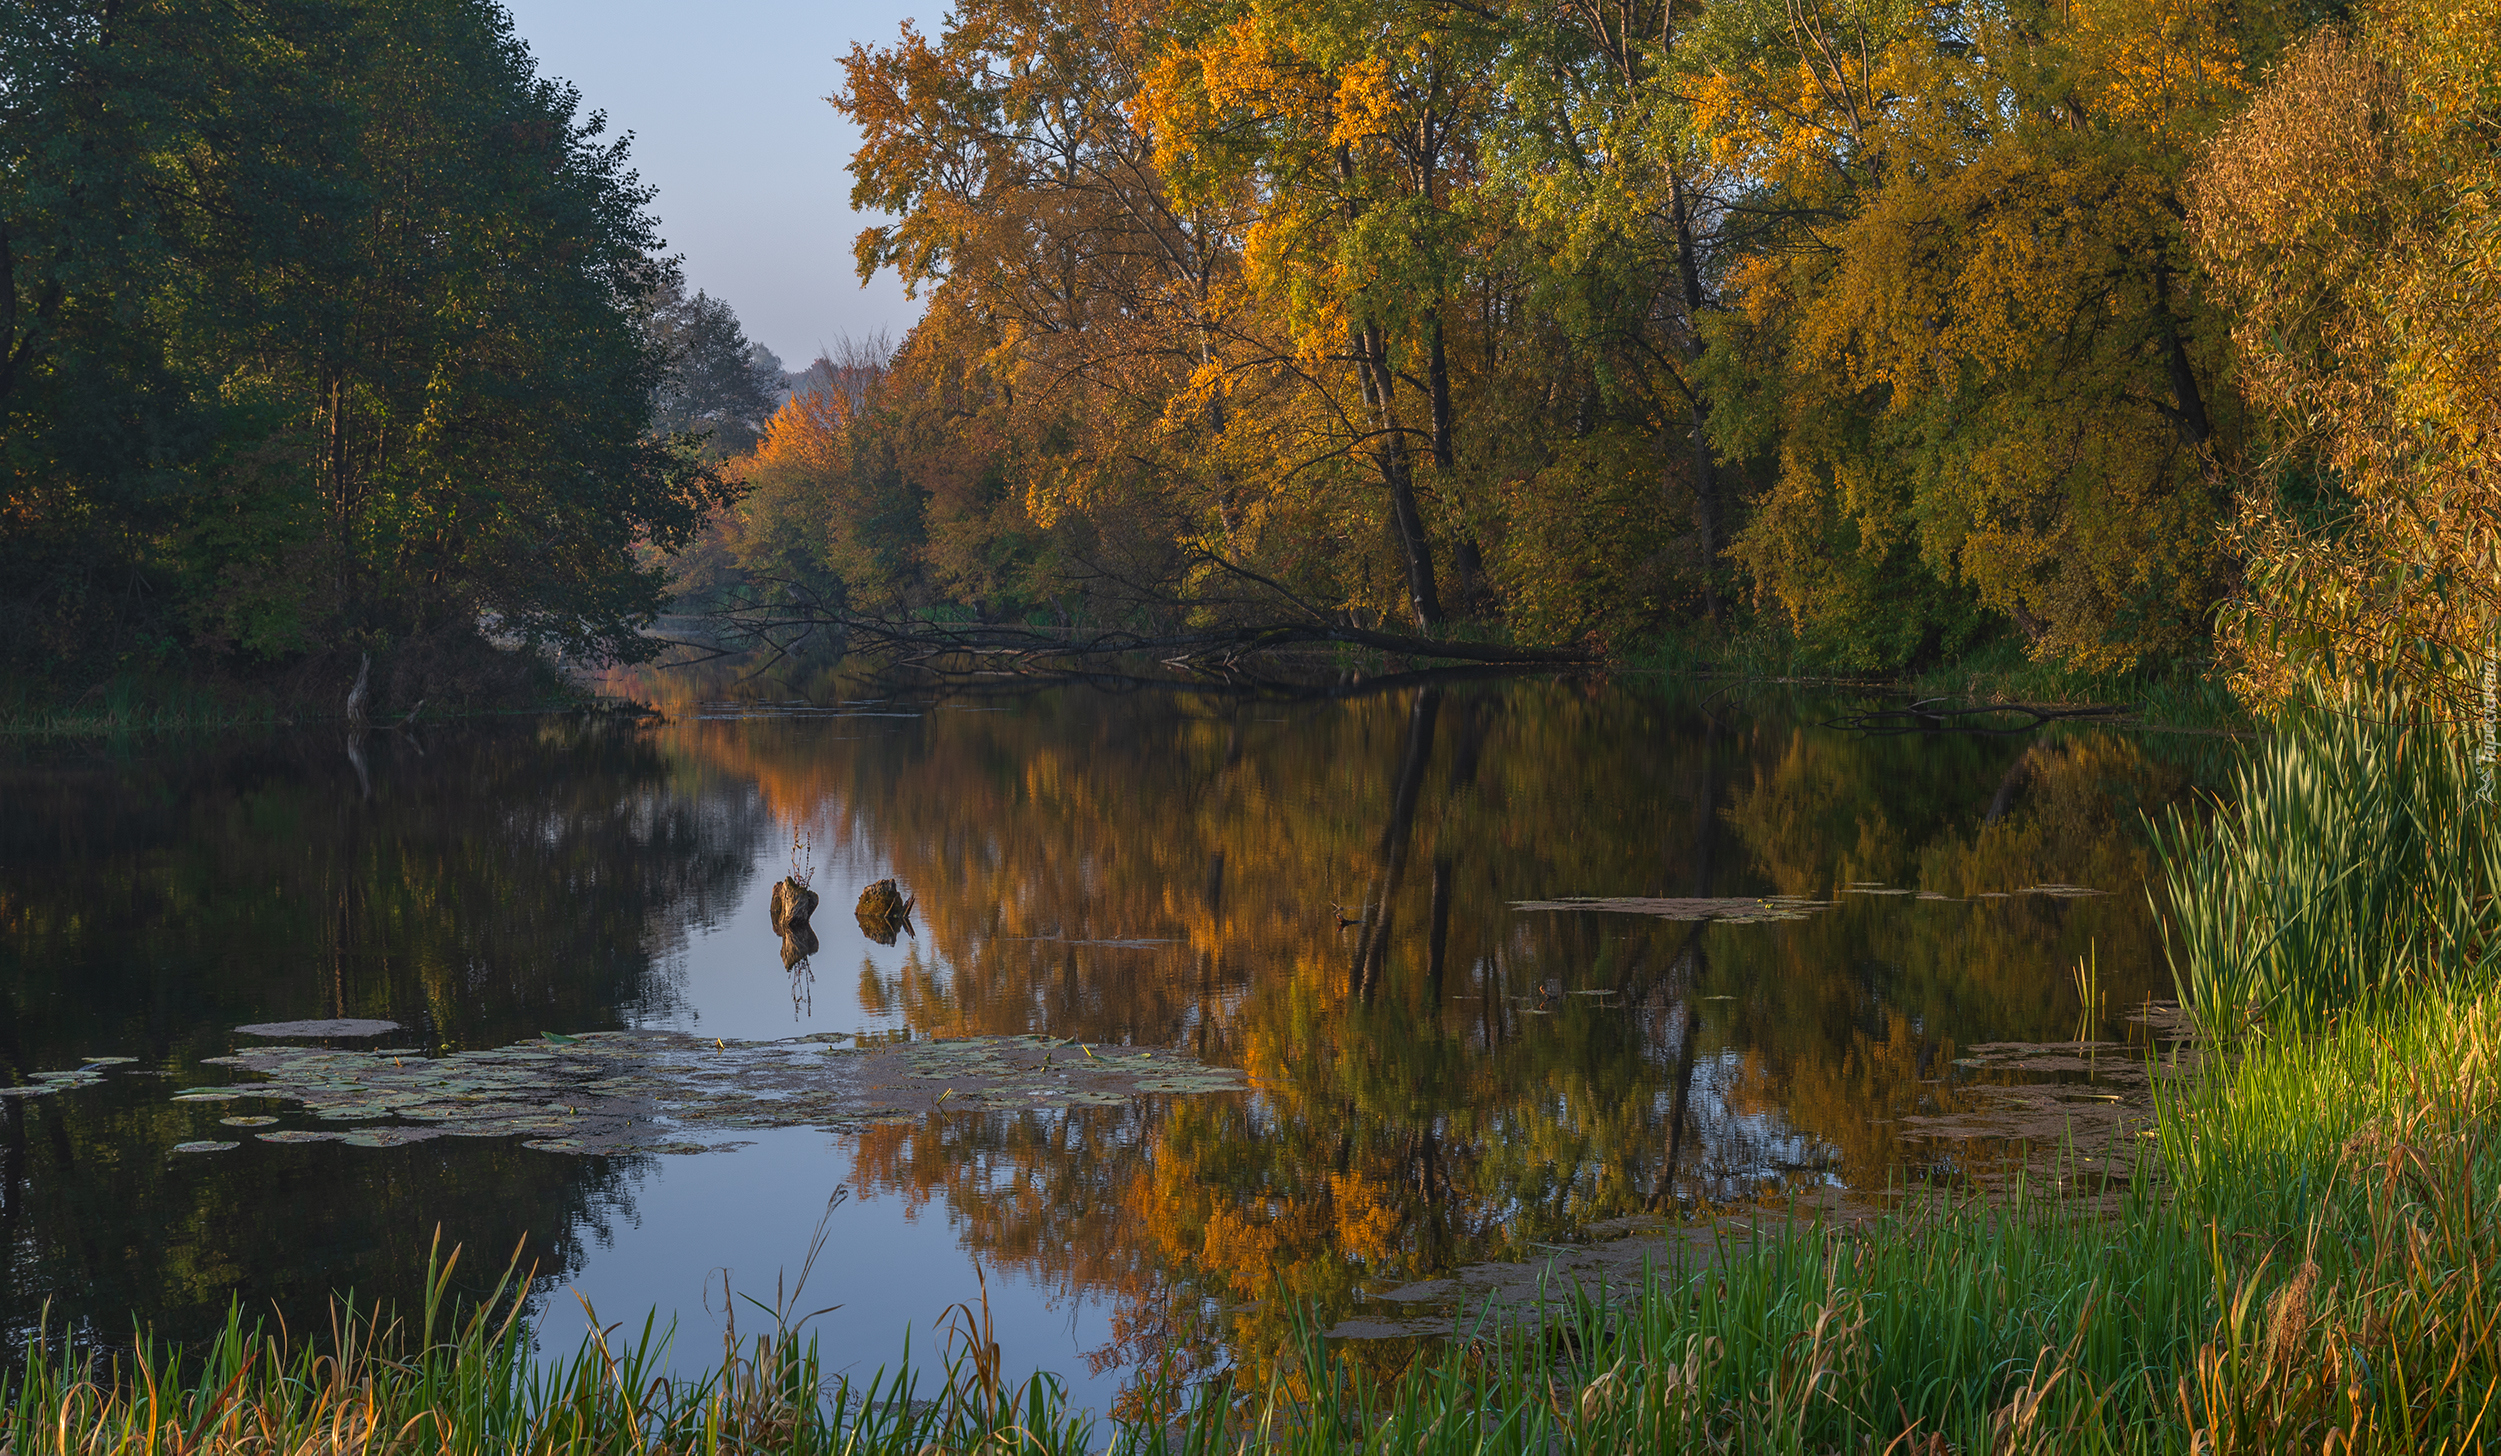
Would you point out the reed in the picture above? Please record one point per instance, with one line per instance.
(2351, 867)
(2348, 1182)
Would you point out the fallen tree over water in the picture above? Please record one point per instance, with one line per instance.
(915, 640)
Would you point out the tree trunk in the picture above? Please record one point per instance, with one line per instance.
(2190, 414)
(1444, 452)
(1706, 511)
(1398, 471)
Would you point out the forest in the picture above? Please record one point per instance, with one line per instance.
(2131, 331)
(1857, 335)
(332, 329)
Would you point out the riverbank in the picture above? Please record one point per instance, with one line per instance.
(457, 676)
(446, 676)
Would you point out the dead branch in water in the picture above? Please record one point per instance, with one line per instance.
(1922, 717)
(956, 648)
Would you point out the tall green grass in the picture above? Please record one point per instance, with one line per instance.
(2350, 867)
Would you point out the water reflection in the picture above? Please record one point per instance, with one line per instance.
(1319, 891)
(477, 887)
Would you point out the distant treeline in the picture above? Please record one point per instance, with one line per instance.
(332, 327)
(1876, 327)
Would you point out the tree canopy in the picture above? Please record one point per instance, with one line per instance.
(1856, 332)
(325, 329)
(1862, 331)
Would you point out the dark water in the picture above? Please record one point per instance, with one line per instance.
(1152, 867)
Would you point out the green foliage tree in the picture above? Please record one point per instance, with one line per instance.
(718, 382)
(323, 334)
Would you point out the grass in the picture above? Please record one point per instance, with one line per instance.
(125, 704)
(2245, 1310)
(470, 1383)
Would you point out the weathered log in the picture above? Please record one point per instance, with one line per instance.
(884, 912)
(793, 903)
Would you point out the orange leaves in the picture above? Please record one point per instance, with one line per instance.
(1368, 1216)
(806, 433)
(2347, 214)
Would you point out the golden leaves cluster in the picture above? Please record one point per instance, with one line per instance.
(2349, 214)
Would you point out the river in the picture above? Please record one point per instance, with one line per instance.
(1323, 888)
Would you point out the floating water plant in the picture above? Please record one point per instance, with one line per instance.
(1740, 910)
(334, 1026)
(661, 1091)
(86, 1075)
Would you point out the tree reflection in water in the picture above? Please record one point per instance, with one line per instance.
(478, 885)
(1320, 893)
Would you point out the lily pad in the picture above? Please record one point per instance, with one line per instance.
(655, 1091)
(335, 1026)
(206, 1147)
(388, 1137)
(248, 1121)
(1733, 911)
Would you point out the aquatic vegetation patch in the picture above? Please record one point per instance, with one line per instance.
(1740, 910)
(87, 1074)
(668, 1092)
(334, 1026)
(1756, 910)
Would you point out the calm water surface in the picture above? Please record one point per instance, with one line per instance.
(1458, 1082)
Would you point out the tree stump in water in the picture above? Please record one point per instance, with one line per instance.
(884, 913)
(793, 903)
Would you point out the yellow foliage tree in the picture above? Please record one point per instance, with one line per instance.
(1967, 331)
(2351, 216)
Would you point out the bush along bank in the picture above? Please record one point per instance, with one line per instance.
(2316, 1270)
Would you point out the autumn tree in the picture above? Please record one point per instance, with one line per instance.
(1969, 337)
(1359, 133)
(1039, 401)
(2349, 215)
(1614, 205)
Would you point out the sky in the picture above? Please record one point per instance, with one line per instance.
(726, 104)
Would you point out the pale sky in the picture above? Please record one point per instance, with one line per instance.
(726, 103)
